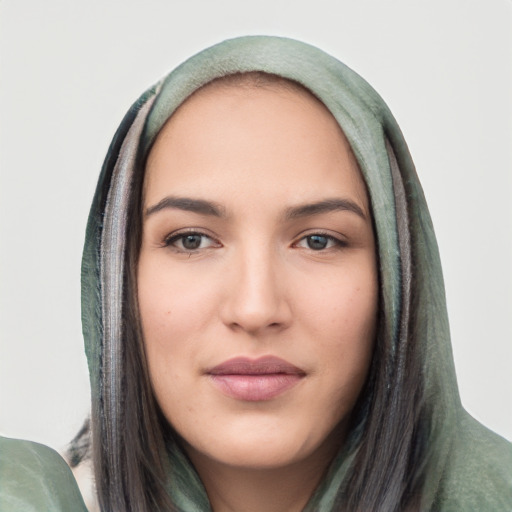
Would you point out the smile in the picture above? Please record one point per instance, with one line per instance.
(255, 380)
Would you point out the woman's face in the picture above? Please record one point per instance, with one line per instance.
(257, 278)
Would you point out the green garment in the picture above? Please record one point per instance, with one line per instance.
(35, 478)
(466, 467)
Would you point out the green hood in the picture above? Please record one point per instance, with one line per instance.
(466, 467)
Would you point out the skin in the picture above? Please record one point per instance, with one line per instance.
(255, 287)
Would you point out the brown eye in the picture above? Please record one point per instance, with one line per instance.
(317, 242)
(320, 242)
(189, 242)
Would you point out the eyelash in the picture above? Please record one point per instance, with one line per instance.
(336, 243)
(170, 241)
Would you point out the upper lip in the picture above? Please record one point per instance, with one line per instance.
(266, 365)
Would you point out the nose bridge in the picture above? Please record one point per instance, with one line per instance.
(256, 298)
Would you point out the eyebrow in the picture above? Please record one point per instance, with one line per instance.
(326, 206)
(188, 204)
(203, 207)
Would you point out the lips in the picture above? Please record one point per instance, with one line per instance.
(255, 380)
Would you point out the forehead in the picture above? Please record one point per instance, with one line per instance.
(246, 133)
(252, 86)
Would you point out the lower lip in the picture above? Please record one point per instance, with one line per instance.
(255, 388)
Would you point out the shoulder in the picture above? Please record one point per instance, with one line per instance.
(34, 477)
(479, 472)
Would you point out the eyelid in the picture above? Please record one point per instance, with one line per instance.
(182, 233)
(338, 239)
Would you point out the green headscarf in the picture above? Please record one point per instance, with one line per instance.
(464, 466)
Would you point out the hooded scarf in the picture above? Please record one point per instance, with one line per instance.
(465, 466)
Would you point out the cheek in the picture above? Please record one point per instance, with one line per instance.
(342, 317)
(173, 305)
(344, 305)
(172, 313)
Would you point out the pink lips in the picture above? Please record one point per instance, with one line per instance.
(255, 380)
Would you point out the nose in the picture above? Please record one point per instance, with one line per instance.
(256, 295)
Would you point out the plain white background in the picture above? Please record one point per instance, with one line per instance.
(70, 70)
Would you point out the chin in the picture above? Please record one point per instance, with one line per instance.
(249, 456)
(264, 449)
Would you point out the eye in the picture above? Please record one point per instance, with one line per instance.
(319, 242)
(190, 242)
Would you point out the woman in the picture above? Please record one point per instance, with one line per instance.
(400, 440)
(263, 306)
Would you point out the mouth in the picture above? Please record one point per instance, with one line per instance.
(255, 380)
